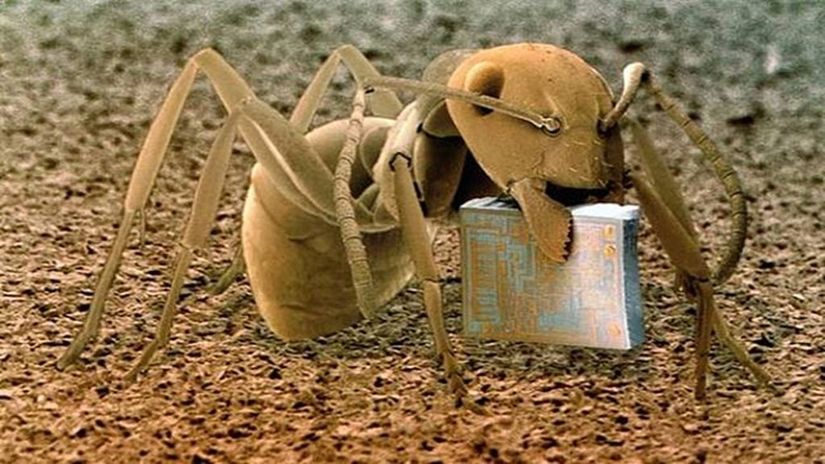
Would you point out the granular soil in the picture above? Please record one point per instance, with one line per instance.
(81, 81)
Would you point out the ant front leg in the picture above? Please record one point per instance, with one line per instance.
(665, 209)
(683, 251)
(414, 230)
(418, 242)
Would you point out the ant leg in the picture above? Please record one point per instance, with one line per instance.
(231, 89)
(204, 208)
(660, 176)
(383, 102)
(417, 240)
(140, 185)
(683, 250)
(661, 179)
(228, 276)
(723, 170)
(357, 258)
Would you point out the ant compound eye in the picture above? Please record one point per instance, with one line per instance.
(551, 126)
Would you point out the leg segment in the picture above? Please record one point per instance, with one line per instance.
(350, 232)
(655, 170)
(143, 177)
(228, 276)
(724, 171)
(204, 208)
(292, 164)
(382, 102)
(414, 230)
(684, 252)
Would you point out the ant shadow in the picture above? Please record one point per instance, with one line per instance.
(402, 330)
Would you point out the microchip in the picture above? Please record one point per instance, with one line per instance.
(513, 292)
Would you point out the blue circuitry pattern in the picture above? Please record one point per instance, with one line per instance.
(511, 291)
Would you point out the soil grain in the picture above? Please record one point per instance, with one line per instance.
(81, 81)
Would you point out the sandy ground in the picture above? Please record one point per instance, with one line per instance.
(79, 84)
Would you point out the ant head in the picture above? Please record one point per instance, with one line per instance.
(568, 148)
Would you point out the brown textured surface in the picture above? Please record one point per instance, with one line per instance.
(78, 87)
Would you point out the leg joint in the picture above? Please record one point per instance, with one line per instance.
(345, 48)
(397, 155)
(205, 54)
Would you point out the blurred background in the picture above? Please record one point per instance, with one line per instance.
(81, 81)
